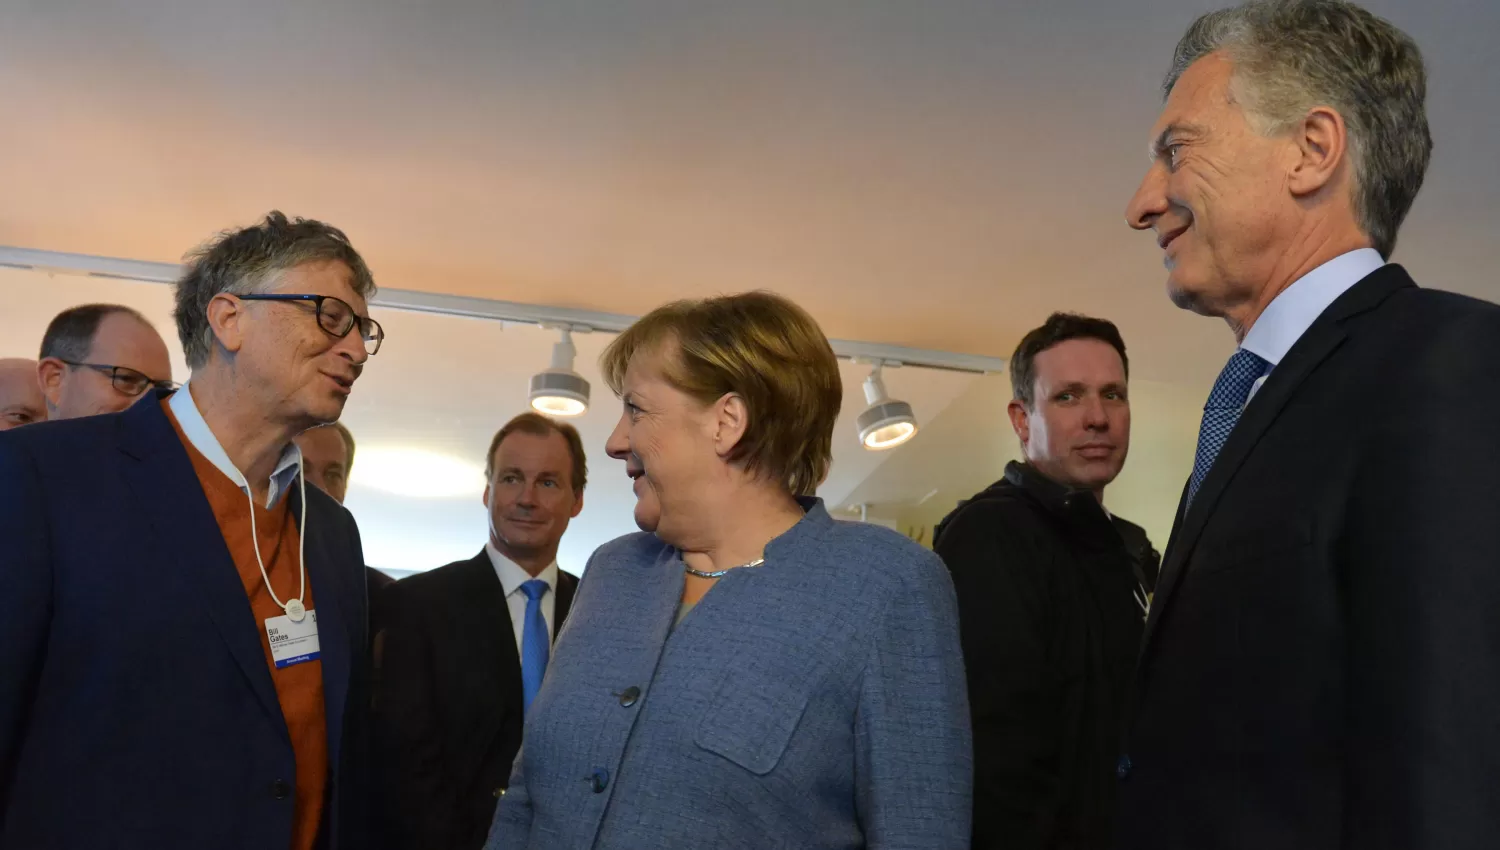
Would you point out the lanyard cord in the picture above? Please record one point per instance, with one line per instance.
(301, 548)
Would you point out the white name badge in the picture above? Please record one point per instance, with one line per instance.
(293, 642)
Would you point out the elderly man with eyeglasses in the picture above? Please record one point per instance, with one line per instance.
(183, 652)
(100, 358)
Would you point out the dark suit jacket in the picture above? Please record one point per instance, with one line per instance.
(136, 706)
(1321, 668)
(450, 706)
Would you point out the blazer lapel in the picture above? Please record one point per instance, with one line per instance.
(188, 541)
(1321, 339)
(335, 620)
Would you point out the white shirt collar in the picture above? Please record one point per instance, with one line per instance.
(196, 429)
(512, 576)
(1292, 312)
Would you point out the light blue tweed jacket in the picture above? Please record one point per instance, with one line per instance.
(817, 701)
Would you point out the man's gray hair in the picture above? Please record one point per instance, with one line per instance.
(249, 260)
(1292, 55)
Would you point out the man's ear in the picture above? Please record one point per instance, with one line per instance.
(1020, 420)
(226, 317)
(1322, 143)
(49, 376)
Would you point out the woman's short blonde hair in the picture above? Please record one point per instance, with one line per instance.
(766, 350)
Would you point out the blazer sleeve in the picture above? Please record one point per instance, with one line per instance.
(1422, 579)
(417, 796)
(913, 764)
(25, 601)
(1003, 615)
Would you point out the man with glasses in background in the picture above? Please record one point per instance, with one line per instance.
(183, 646)
(100, 358)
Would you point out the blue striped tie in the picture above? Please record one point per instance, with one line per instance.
(536, 647)
(1223, 410)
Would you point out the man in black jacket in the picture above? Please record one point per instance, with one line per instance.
(467, 644)
(1052, 597)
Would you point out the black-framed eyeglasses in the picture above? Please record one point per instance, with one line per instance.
(335, 317)
(126, 380)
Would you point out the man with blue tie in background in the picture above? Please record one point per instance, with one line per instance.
(467, 644)
(1321, 666)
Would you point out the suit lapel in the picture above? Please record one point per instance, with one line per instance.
(494, 634)
(190, 543)
(1315, 346)
(567, 585)
(335, 640)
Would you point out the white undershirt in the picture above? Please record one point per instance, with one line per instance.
(511, 578)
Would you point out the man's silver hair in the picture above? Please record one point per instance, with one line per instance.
(1292, 55)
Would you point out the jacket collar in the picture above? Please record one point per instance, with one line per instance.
(1309, 352)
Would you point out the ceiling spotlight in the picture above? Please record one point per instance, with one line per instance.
(886, 423)
(558, 390)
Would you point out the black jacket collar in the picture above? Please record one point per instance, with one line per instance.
(1081, 514)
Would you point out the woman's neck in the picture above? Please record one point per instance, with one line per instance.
(739, 528)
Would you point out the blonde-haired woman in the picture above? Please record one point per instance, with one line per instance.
(747, 672)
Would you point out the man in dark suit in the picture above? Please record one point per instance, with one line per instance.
(1321, 666)
(467, 644)
(182, 623)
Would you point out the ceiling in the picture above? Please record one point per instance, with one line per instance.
(939, 175)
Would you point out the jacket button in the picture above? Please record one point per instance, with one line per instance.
(499, 792)
(631, 694)
(599, 781)
(1122, 769)
(280, 790)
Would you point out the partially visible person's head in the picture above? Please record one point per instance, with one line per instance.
(1070, 402)
(719, 393)
(279, 311)
(21, 401)
(328, 458)
(1289, 125)
(100, 358)
(535, 474)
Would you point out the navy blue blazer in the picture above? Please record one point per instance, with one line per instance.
(817, 701)
(136, 706)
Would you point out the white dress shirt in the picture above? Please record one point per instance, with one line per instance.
(1292, 312)
(196, 429)
(511, 578)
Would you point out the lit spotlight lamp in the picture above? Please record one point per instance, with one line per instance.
(558, 390)
(885, 423)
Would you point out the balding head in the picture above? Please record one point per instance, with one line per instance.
(100, 358)
(21, 401)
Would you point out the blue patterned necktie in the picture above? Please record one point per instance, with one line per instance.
(536, 647)
(1222, 411)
